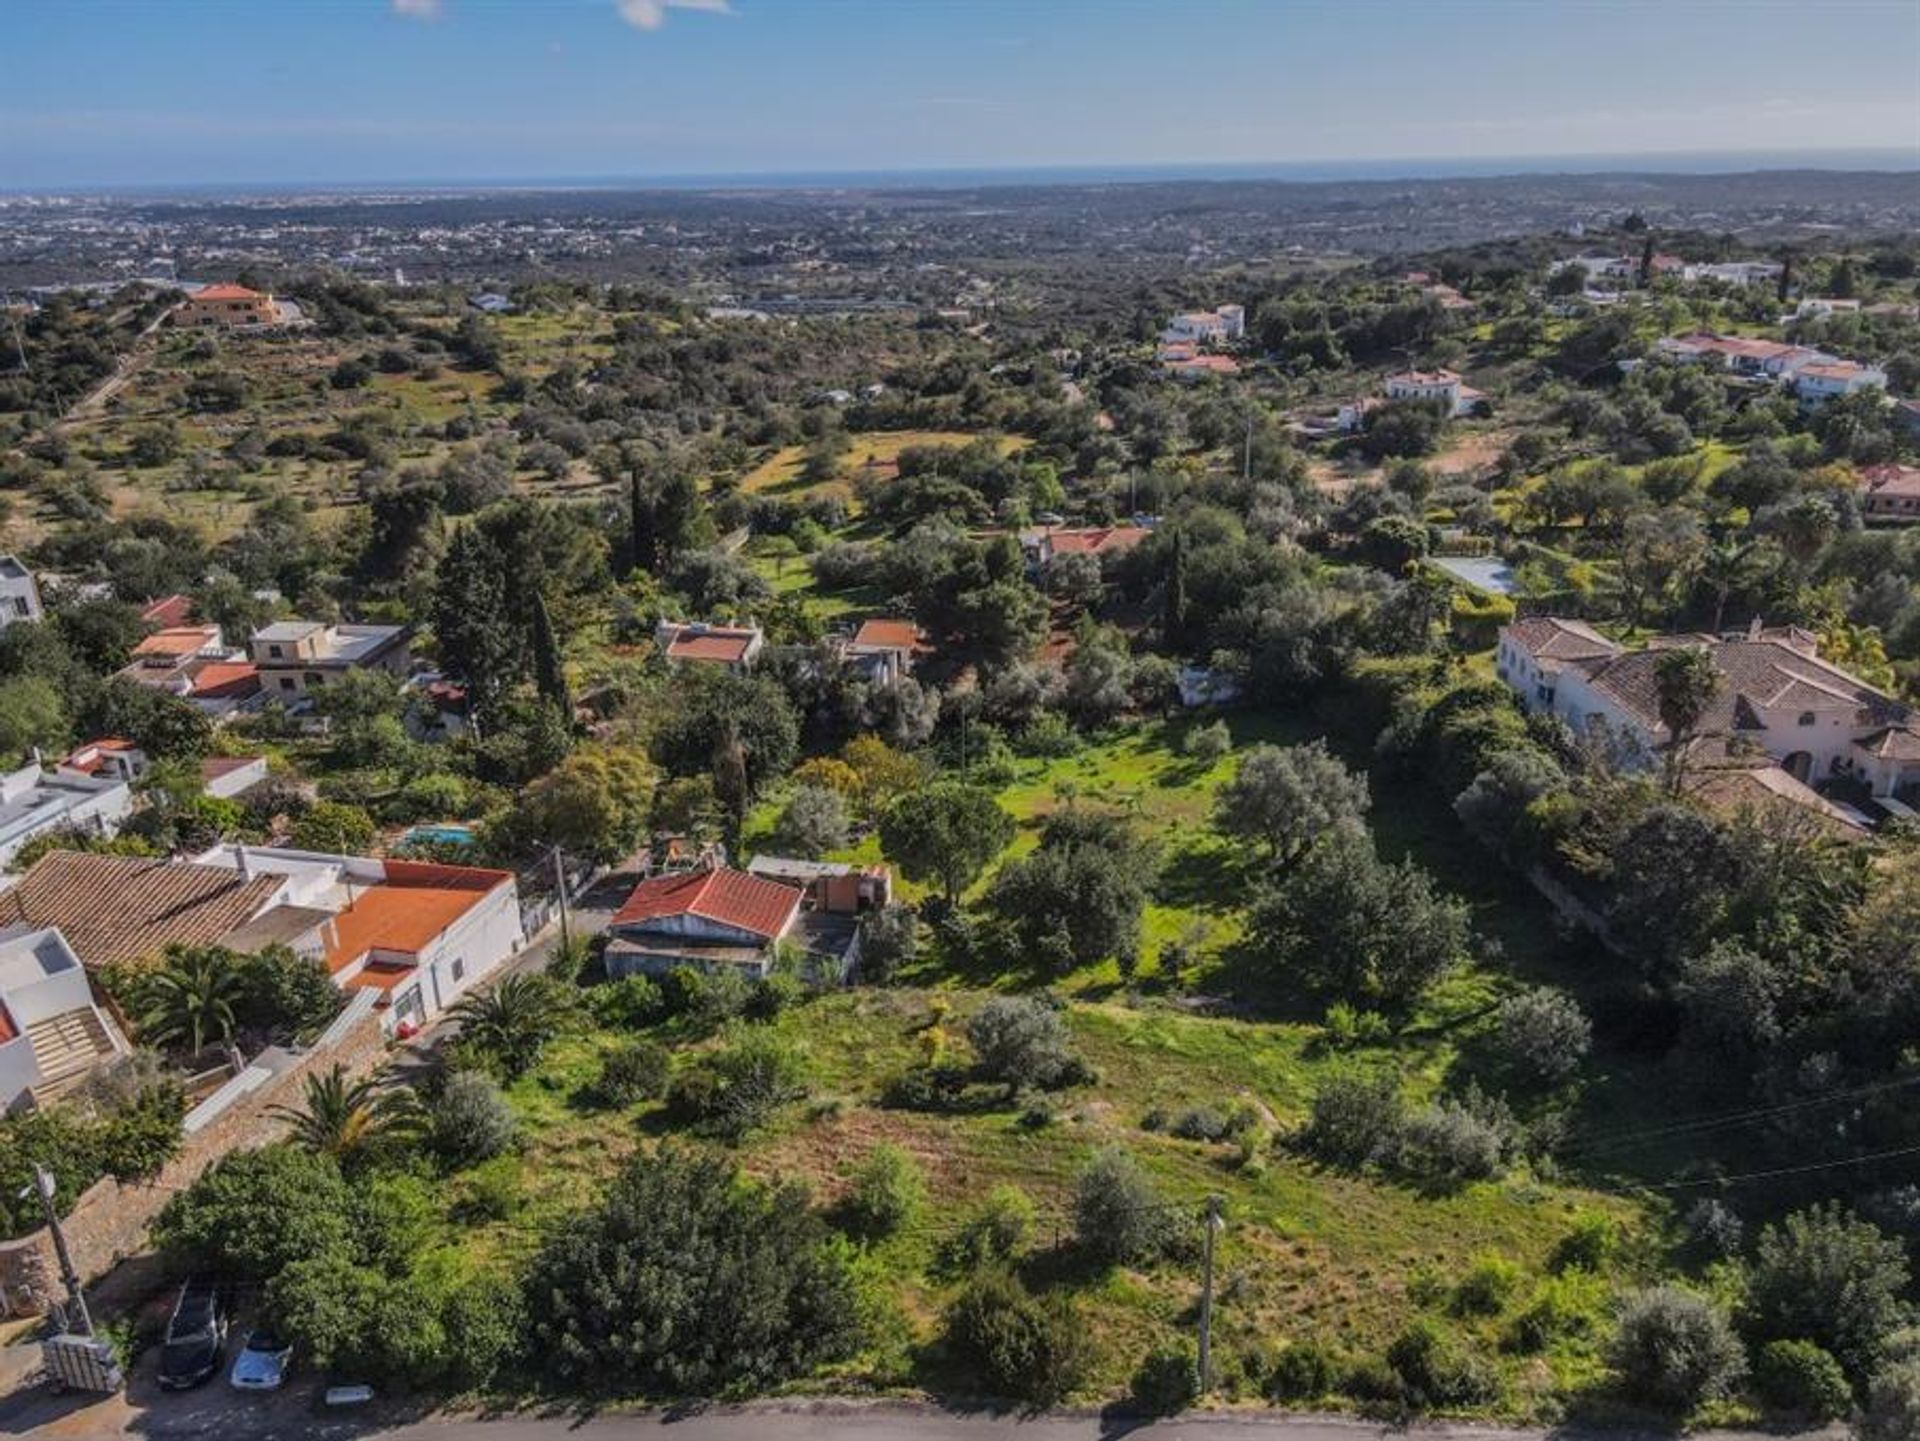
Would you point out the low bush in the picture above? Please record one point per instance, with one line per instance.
(1025, 1348)
(888, 1192)
(471, 1121)
(1676, 1350)
(1542, 1036)
(1304, 1371)
(1800, 1379)
(639, 1071)
(994, 1234)
(1588, 1246)
(1487, 1288)
(1167, 1383)
(1437, 1372)
(1452, 1142)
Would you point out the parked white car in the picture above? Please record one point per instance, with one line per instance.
(262, 1363)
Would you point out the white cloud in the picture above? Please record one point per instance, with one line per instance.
(652, 14)
(417, 9)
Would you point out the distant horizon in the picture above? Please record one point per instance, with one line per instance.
(1891, 160)
(106, 95)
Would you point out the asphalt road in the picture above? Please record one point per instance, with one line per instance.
(216, 1412)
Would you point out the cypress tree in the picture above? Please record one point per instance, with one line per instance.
(549, 675)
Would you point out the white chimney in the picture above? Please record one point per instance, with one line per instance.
(241, 863)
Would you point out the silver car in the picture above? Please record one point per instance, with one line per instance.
(262, 1363)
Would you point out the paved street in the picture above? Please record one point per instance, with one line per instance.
(214, 1411)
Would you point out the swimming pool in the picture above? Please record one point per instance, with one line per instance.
(440, 835)
(1494, 576)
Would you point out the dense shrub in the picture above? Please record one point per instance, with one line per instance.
(471, 1120)
(636, 1072)
(1030, 1349)
(1487, 1288)
(1826, 1276)
(1588, 1246)
(994, 1234)
(1453, 1142)
(629, 1003)
(1119, 1216)
(1799, 1379)
(1355, 1120)
(254, 1213)
(1892, 1410)
(1021, 1041)
(1542, 1035)
(1676, 1350)
(740, 1086)
(1303, 1371)
(1437, 1372)
(1167, 1382)
(888, 1192)
(688, 1279)
(889, 941)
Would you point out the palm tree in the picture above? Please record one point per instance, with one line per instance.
(343, 1118)
(190, 998)
(512, 1021)
(1687, 682)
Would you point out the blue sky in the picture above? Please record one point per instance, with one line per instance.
(110, 92)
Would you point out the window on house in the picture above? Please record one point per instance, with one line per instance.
(1806, 718)
(286, 682)
(459, 968)
(274, 651)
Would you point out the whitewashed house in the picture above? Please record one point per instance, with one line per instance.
(51, 1032)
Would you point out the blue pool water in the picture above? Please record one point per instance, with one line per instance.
(439, 836)
(1494, 576)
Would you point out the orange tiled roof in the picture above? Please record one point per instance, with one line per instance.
(402, 917)
(226, 678)
(178, 640)
(169, 611)
(888, 635)
(727, 648)
(126, 908)
(729, 897)
(227, 292)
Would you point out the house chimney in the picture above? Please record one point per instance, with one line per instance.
(240, 861)
(1754, 627)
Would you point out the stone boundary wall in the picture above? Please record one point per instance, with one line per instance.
(110, 1221)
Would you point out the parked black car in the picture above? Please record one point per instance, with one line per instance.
(196, 1336)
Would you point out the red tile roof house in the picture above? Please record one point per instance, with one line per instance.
(419, 934)
(1777, 696)
(414, 934)
(1891, 494)
(735, 647)
(884, 650)
(1042, 545)
(716, 917)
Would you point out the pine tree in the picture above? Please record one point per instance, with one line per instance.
(478, 641)
(549, 673)
(640, 518)
(1173, 620)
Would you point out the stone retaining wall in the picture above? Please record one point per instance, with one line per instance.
(110, 1221)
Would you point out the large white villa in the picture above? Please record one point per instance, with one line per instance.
(1779, 698)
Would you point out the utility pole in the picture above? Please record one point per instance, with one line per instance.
(76, 1300)
(1206, 1296)
(560, 884)
(1246, 453)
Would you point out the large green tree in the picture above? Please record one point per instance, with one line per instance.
(947, 834)
(689, 1279)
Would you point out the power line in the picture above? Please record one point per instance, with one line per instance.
(1615, 1140)
(1788, 1170)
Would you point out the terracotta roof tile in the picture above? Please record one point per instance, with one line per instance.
(731, 898)
(126, 908)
